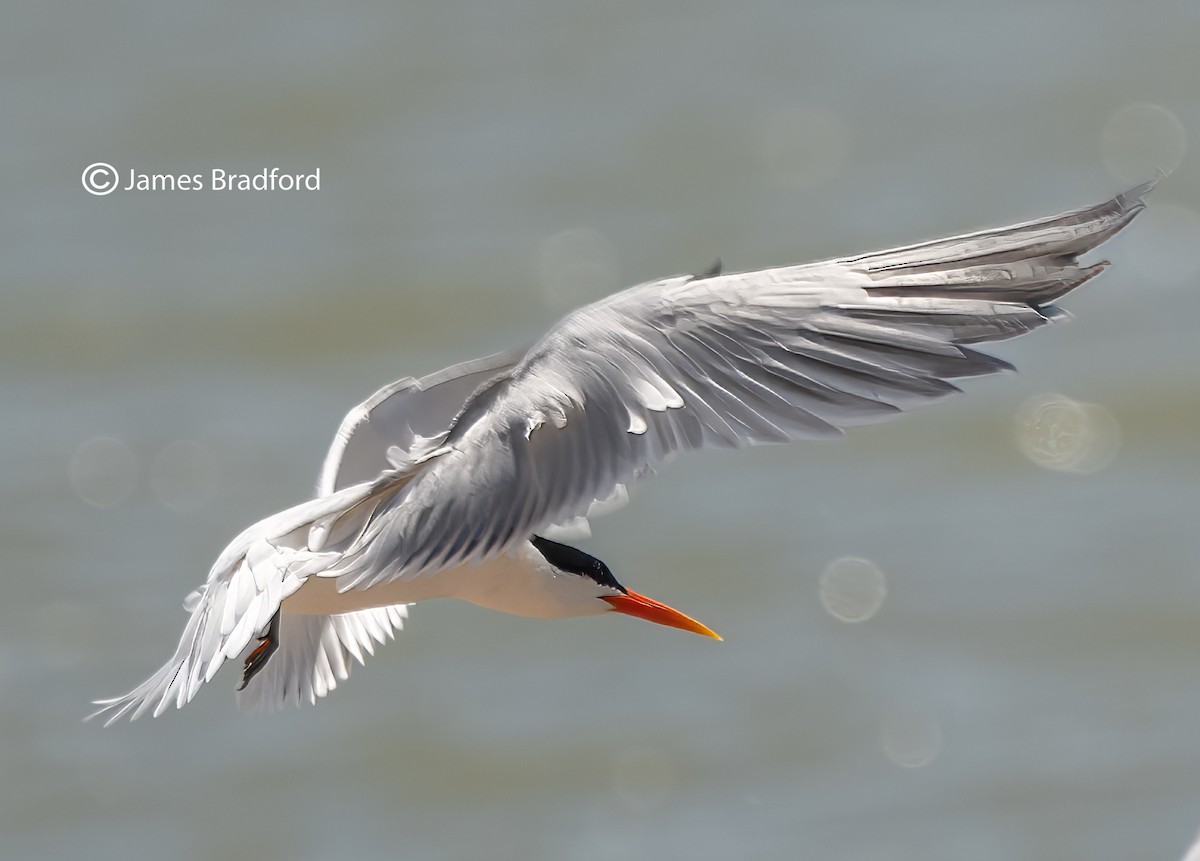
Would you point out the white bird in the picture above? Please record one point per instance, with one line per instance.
(456, 485)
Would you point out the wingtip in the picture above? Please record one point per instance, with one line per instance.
(110, 711)
(1135, 198)
(1054, 314)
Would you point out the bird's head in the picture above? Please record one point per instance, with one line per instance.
(573, 583)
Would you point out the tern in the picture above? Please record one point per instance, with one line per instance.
(464, 484)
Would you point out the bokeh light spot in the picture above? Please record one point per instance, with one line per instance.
(1141, 139)
(103, 471)
(1065, 435)
(852, 589)
(911, 738)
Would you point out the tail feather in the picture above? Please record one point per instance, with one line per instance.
(257, 570)
(315, 653)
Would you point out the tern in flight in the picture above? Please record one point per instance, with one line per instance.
(463, 484)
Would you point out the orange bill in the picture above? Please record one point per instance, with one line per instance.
(633, 604)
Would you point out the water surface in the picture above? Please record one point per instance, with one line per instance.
(173, 365)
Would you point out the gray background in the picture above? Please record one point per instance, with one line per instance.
(172, 366)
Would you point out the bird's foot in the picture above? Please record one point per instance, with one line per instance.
(267, 644)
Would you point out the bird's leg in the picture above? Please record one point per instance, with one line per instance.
(257, 659)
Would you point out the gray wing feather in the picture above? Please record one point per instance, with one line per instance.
(400, 416)
(618, 387)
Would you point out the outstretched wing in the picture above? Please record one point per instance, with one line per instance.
(618, 387)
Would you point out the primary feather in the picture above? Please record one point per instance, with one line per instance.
(618, 387)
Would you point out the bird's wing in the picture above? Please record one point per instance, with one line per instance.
(403, 416)
(617, 387)
(270, 560)
(253, 575)
(396, 424)
(315, 653)
(401, 421)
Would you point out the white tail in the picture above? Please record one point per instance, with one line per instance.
(315, 653)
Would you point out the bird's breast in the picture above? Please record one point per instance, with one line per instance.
(516, 582)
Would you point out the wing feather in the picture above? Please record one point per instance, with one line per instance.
(316, 653)
(618, 387)
(400, 416)
(245, 587)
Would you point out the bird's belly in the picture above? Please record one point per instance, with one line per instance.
(509, 583)
(319, 596)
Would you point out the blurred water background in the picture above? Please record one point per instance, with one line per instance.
(970, 634)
